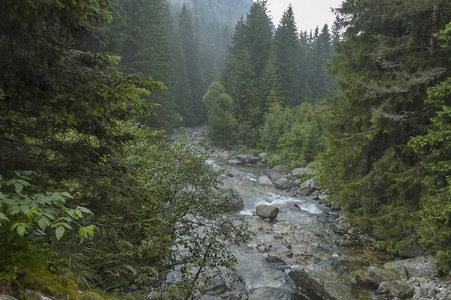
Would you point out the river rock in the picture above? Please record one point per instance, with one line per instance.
(264, 180)
(263, 156)
(299, 171)
(422, 266)
(247, 158)
(307, 187)
(217, 289)
(397, 288)
(311, 287)
(341, 225)
(7, 297)
(376, 276)
(267, 211)
(274, 259)
(273, 175)
(283, 183)
(279, 168)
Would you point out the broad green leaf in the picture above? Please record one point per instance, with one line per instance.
(43, 223)
(3, 217)
(21, 229)
(84, 209)
(59, 232)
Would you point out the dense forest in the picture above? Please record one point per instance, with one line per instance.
(96, 199)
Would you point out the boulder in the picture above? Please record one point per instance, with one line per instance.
(341, 225)
(264, 180)
(279, 168)
(263, 156)
(311, 286)
(283, 183)
(307, 187)
(397, 288)
(267, 211)
(233, 198)
(422, 266)
(299, 171)
(273, 175)
(7, 297)
(217, 289)
(274, 259)
(376, 276)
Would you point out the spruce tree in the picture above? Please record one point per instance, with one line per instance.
(385, 64)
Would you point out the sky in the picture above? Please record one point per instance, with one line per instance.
(308, 13)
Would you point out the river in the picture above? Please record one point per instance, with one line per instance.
(301, 239)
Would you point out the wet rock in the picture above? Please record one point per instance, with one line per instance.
(263, 156)
(283, 183)
(264, 180)
(307, 187)
(397, 288)
(376, 276)
(7, 297)
(312, 288)
(235, 162)
(273, 175)
(422, 266)
(341, 225)
(274, 259)
(334, 206)
(299, 171)
(267, 211)
(217, 289)
(279, 168)
(233, 198)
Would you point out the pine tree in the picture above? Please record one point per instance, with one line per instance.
(286, 49)
(384, 66)
(191, 53)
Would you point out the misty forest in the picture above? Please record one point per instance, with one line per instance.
(203, 149)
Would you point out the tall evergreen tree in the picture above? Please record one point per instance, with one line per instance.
(385, 64)
(286, 48)
(191, 53)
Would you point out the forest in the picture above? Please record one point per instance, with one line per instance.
(98, 202)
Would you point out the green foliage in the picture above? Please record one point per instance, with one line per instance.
(293, 133)
(373, 163)
(222, 123)
(26, 213)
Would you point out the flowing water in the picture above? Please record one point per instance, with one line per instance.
(302, 237)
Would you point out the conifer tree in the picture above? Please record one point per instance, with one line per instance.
(384, 65)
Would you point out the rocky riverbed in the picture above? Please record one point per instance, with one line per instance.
(304, 248)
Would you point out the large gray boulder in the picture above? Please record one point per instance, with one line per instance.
(307, 187)
(376, 276)
(318, 286)
(422, 266)
(397, 288)
(7, 297)
(279, 168)
(283, 183)
(264, 180)
(273, 175)
(267, 212)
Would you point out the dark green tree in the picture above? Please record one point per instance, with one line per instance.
(190, 49)
(385, 64)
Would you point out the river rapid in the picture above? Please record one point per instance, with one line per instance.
(301, 238)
